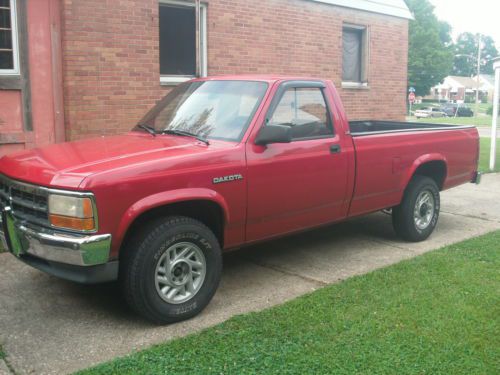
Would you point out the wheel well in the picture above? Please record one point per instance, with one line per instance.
(207, 212)
(435, 170)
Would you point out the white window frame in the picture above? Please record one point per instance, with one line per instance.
(15, 41)
(176, 79)
(365, 57)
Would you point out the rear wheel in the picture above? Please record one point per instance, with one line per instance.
(171, 269)
(417, 215)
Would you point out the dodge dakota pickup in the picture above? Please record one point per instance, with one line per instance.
(220, 163)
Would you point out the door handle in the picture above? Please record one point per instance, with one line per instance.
(335, 149)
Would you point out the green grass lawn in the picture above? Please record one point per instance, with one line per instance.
(436, 314)
(483, 107)
(484, 156)
(483, 120)
(476, 121)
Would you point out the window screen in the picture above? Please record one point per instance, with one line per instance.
(305, 111)
(352, 40)
(177, 40)
(6, 47)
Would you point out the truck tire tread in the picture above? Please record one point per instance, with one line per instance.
(131, 273)
(402, 215)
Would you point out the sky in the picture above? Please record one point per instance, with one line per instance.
(477, 16)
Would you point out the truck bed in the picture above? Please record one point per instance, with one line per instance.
(369, 127)
(388, 153)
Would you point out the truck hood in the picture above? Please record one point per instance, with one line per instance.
(66, 165)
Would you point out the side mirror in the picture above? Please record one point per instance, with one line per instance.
(274, 134)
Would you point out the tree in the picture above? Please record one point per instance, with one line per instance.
(465, 50)
(430, 47)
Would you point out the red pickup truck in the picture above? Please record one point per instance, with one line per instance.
(220, 163)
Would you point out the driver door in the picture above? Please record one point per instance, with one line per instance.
(301, 184)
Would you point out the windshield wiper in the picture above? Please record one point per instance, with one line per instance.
(149, 129)
(185, 134)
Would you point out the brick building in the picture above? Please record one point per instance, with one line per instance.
(71, 69)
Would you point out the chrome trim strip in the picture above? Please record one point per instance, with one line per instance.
(446, 128)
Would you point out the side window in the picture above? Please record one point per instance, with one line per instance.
(178, 47)
(305, 111)
(355, 52)
(9, 59)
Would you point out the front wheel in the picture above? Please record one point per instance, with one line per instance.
(171, 269)
(416, 217)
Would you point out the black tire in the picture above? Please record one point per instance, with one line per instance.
(403, 216)
(138, 268)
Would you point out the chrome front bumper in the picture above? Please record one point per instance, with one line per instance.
(53, 246)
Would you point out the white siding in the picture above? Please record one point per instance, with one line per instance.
(396, 8)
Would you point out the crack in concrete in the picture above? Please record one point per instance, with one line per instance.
(386, 243)
(472, 217)
(287, 272)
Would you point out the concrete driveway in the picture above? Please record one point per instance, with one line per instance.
(52, 326)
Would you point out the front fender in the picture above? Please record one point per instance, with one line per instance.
(163, 199)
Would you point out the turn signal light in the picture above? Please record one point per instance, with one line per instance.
(72, 222)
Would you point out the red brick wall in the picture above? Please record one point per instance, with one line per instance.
(41, 20)
(111, 67)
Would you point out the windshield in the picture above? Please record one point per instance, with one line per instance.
(208, 109)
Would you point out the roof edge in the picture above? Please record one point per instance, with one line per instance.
(393, 8)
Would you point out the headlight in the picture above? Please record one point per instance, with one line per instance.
(76, 213)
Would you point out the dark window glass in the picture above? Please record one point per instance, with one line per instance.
(212, 109)
(177, 40)
(305, 111)
(352, 41)
(5, 17)
(6, 60)
(5, 39)
(6, 52)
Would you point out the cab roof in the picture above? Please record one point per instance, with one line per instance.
(270, 78)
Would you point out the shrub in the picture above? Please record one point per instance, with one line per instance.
(490, 110)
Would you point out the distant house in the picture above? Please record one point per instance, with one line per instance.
(487, 84)
(457, 89)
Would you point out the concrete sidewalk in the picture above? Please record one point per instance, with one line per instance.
(52, 326)
(485, 132)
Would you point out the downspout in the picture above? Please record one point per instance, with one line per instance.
(197, 7)
(57, 70)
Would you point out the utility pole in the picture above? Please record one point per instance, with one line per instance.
(478, 73)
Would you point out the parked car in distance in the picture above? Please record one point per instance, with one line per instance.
(429, 112)
(220, 163)
(457, 110)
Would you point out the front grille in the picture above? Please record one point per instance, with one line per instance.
(28, 202)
